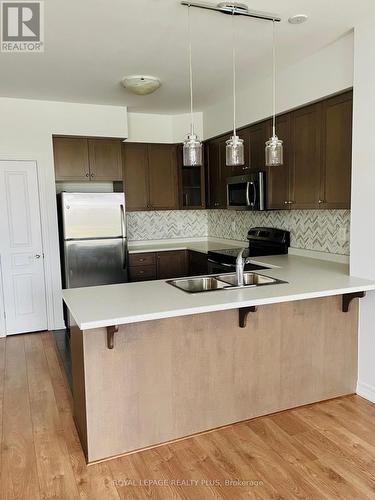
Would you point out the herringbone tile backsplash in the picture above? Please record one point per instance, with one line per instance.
(310, 229)
(167, 224)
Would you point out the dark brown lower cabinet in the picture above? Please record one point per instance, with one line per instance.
(142, 266)
(158, 265)
(166, 265)
(142, 273)
(172, 264)
(198, 263)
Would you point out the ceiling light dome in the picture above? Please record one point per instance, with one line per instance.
(141, 84)
(298, 19)
(230, 6)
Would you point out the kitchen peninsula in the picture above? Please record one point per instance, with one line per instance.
(153, 364)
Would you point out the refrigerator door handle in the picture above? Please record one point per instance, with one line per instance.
(123, 226)
(123, 235)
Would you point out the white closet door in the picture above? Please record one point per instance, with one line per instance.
(21, 250)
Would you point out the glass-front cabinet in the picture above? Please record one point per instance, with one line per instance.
(192, 186)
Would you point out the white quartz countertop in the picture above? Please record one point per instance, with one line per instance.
(307, 278)
(203, 245)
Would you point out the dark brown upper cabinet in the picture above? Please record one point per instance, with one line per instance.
(278, 178)
(135, 159)
(254, 141)
(225, 171)
(317, 157)
(105, 159)
(254, 138)
(306, 126)
(82, 159)
(71, 159)
(335, 187)
(215, 181)
(191, 184)
(163, 186)
(258, 135)
(150, 176)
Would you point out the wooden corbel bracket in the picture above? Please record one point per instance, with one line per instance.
(243, 314)
(348, 297)
(111, 330)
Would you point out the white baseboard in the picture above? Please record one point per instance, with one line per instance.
(366, 391)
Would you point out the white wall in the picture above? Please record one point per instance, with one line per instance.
(26, 130)
(323, 73)
(146, 127)
(2, 318)
(362, 255)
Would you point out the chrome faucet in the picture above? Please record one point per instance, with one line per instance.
(240, 265)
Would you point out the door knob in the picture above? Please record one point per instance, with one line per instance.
(37, 256)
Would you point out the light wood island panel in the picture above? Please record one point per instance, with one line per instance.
(175, 377)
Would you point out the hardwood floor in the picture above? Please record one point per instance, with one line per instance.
(321, 451)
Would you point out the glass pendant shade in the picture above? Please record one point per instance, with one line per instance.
(234, 152)
(274, 152)
(192, 151)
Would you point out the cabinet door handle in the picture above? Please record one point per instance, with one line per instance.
(92, 175)
(87, 174)
(320, 202)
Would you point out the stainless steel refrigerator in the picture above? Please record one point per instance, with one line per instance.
(93, 239)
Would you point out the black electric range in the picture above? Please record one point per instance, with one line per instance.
(262, 241)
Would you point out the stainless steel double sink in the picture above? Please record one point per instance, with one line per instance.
(222, 282)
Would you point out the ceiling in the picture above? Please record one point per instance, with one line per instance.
(91, 44)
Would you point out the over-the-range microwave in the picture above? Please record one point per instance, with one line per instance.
(246, 192)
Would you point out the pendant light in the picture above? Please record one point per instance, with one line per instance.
(274, 146)
(234, 146)
(192, 148)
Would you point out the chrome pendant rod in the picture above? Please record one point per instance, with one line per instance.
(266, 16)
